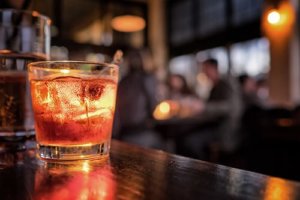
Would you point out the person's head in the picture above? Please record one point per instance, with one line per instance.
(248, 84)
(140, 60)
(178, 83)
(135, 61)
(210, 68)
(262, 88)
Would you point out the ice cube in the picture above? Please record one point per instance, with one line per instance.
(40, 92)
(66, 92)
(108, 97)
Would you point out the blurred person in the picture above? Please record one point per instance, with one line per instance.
(180, 92)
(136, 100)
(178, 86)
(262, 91)
(252, 113)
(224, 106)
(224, 101)
(249, 91)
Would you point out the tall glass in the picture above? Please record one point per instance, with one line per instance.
(24, 38)
(73, 104)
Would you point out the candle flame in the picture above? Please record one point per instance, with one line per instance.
(164, 107)
(165, 110)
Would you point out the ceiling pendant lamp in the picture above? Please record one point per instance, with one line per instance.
(128, 23)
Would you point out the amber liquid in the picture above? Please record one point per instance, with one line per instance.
(15, 107)
(71, 111)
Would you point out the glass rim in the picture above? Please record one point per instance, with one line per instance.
(33, 13)
(46, 64)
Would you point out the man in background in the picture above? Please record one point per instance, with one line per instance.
(224, 101)
(224, 106)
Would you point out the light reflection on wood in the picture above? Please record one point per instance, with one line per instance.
(82, 180)
(278, 189)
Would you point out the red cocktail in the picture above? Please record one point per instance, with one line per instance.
(73, 108)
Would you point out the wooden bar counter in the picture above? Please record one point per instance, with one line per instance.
(134, 173)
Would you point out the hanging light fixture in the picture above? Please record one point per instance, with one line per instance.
(128, 23)
(278, 18)
(274, 17)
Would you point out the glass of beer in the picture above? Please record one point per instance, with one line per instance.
(24, 38)
(73, 105)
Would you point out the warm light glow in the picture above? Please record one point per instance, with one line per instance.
(164, 107)
(128, 23)
(88, 182)
(35, 13)
(274, 17)
(279, 22)
(5, 51)
(166, 110)
(86, 166)
(65, 71)
(278, 189)
(162, 111)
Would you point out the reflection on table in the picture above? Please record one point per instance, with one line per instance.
(136, 173)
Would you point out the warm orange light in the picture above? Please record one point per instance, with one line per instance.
(164, 107)
(166, 110)
(5, 51)
(35, 13)
(81, 182)
(86, 166)
(278, 189)
(274, 17)
(65, 71)
(279, 22)
(128, 23)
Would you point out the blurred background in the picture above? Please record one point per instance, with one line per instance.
(209, 79)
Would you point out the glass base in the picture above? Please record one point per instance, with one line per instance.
(73, 152)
